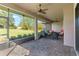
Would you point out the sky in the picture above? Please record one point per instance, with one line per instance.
(17, 19)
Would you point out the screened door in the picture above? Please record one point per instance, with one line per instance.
(3, 33)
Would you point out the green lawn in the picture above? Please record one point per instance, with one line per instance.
(16, 32)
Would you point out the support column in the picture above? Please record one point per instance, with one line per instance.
(36, 29)
(8, 42)
(8, 25)
(69, 27)
(8, 28)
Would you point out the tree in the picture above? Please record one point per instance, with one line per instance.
(3, 13)
(27, 23)
(3, 21)
(11, 21)
(40, 26)
(24, 26)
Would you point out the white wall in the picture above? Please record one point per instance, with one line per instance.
(57, 26)
(69, 32)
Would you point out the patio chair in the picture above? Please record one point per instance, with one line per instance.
(54, 35)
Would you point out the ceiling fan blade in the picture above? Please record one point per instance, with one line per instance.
(43, 12)
(39, 10)
(40, 5)
(44, 9)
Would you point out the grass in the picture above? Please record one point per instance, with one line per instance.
(14, 32)
(3, 39)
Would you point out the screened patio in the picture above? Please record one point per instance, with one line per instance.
(36, 34)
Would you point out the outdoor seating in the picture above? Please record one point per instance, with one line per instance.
(47, 34)
(54, 35)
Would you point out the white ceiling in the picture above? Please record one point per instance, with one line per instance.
(55, 10)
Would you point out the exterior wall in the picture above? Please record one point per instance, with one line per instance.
(57, 26)
(69, 27)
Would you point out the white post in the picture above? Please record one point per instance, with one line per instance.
(8, 25)
(36, 29)
(69, 32)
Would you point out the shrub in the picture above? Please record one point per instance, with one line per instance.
(30, 35)
(24, 35)
(13, 37)
(19, 36)
(24, 26)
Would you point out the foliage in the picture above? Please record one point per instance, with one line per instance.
(25, 35)
(11, 21)
(13, 37)
(19, 36)
(24, 26)
(3, 21)
(27, 23)
(12, 26)
(3, 13)
(40, 26)
(16, 32)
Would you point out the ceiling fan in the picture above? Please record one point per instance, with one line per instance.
(43, 11)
